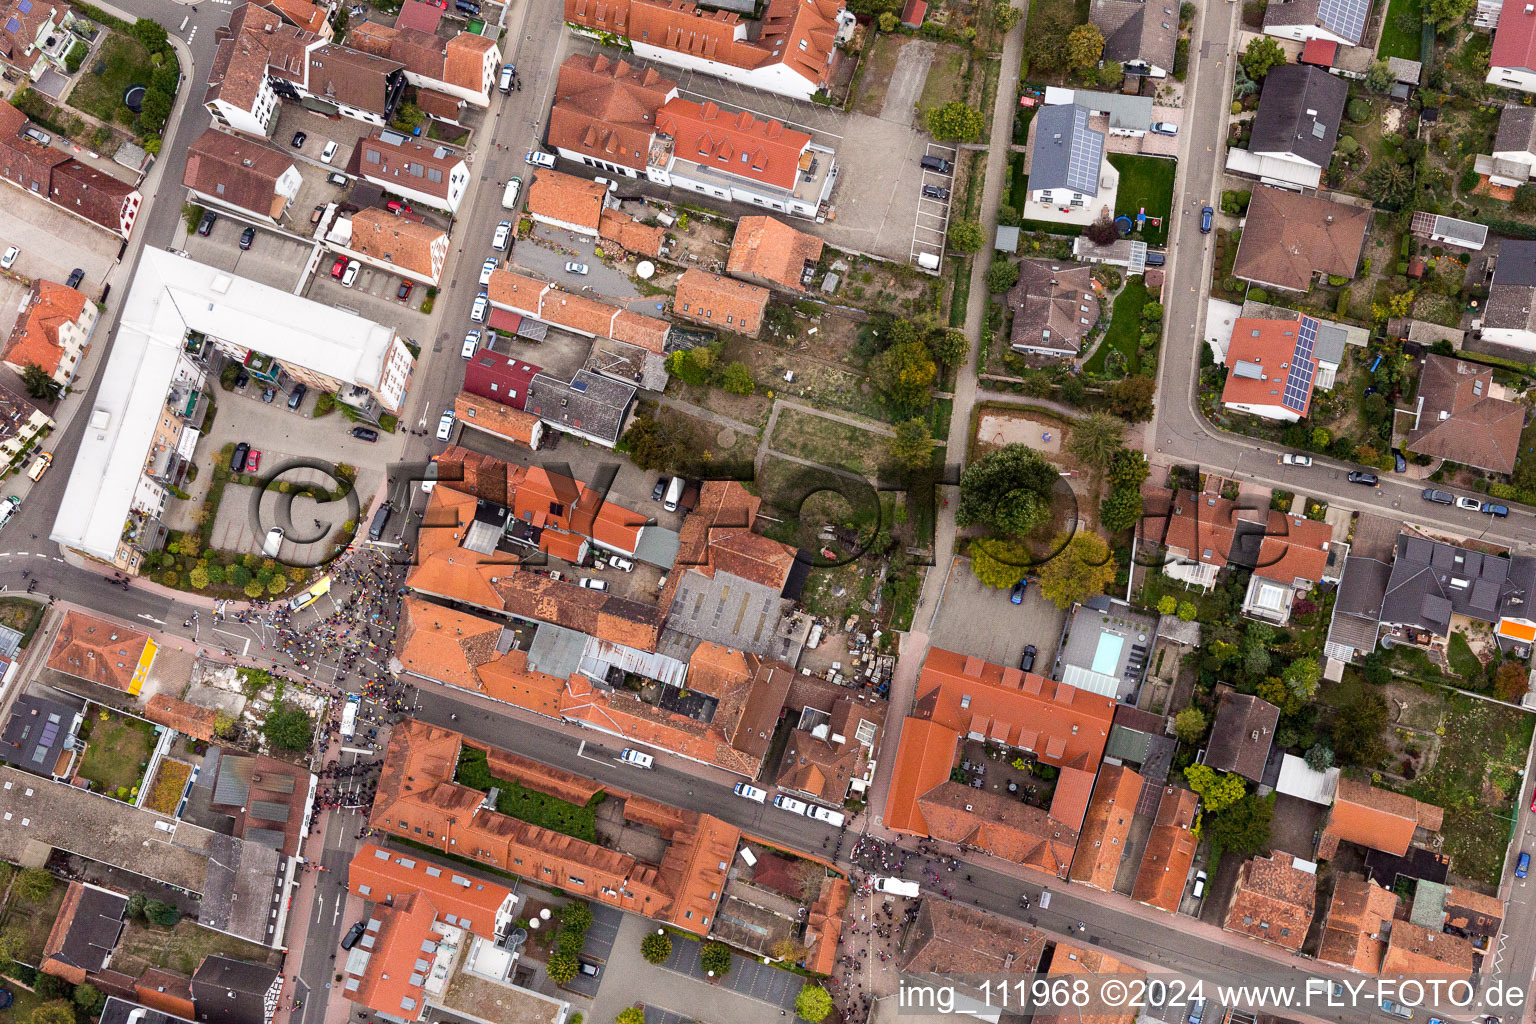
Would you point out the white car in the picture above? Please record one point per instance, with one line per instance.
(502, 237)
(750, 792)
(445, 426)
(638, 758)
(576, 268)
(1471, 504)
(622, 564)
(481, 308)
(1165, 128)
(831, 817)
(607, 183)
(471, 344)
(790, 804)
(592, 584)
(350, 274)
(9, 259)
(488, 268)
(329, 153)
(541, 160)
(1295, 460)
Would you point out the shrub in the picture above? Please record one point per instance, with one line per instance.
(656, 947)
(1258, 295)
(813, 1004)
(715, 957)
(562, 967)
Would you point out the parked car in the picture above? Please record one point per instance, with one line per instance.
(1523, 868)
(1016, 595)
(936, 163)
(296, 397)
(6, 998)
(339, 267)
(1198, 892)
(1496, 510)
(826, 814)
(9, 259)
(1165, 128)
(1156, 258)
(620, 563)
(329, 153)
(40, 465)
(247, 237)
(299, 139)
(253, 460)
(659, 489)
(365, 434)
(268, 394)
(508, 73)
(588, 968)
(1295, 460)
(488, 268)
(1196, 1011)
(576, 268)
(351, 274)
(467, 6)
(397, 207)
(445, 425)
(750, 792)
(1438, 497)
(237, 460)
(471, 345)
(1399, 463)
(1470, 504)
(404, 291)
(541, 160)
(478, 311)
(337, 178)
(502, 237)
(638, 758)
(509, 193)
(1205, 220)
(1359, 477)
(790, 804)
(935, 192)
(1027, 659)
(353, 934)
(75, 277)
(205, 226)
(242, 379)
(590, 583)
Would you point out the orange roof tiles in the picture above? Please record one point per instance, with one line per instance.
(388, 984)
(566, 199)
(738, 144)
(1267, 347)
(599, 614)
(35, 337)
(404, 243)
(496, 418)
(771, 252)
(1294, 548)
(102, 651)
(576, 312)
(1375, 818)
(309, 16)
(824, 925)
(923, 761)
(188, 719)
(553, 500)
(1359, 919)
(1068, 959)
(1108, 823)
(1273, 901)
(1200, 526)
(606, 109)
(382, 876)
(1169, 852)
(711, 299)
(629, 233)
(440, 643)
(1416, 950)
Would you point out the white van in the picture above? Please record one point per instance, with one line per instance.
(674, 492)
(505, 85)
(40, 465)
(8, 508)
(789, 803)
(896, 886)
(637, 758)
(831, 817)
(750, 792)
(509, 195)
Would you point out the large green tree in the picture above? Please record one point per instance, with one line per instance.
(58, 1011)
(1357, 728)
(955, 122)
(1444, 14)
(1121, 509)
(33, 885)
(39, 385)
(1242, 828)
(651, 445)
(1189, 725)
(999, 563)
(1008, 490)
(1218, 790)
(1085, 45)
(912, 447)
(1082, 569)
(1096, 439)
(1131, 398)
(966, 236)
(904, 374)
(656, 947)
(813, 1003)
(288, 727)
(1263, 53)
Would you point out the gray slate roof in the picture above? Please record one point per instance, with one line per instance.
(35, 733)
(1431, 581)
(226, 991)
(1345, 18)
(1133, 113)
(1512, 298)
(1135, 31)
(1517, 130)
(1067, 153)
(1357, 608)
(591, 403)
(1299, 113)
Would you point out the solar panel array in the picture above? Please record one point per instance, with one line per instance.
(1298, 381)
(12, 25)
(1087, 154)
(1346, 17)
(24, 6)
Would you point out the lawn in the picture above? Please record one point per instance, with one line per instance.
(22, 615)
(1476, 779)
(529, 805)
(828, 442)
(1463, 662)
(1146, 183)
(21, 1006)
(1401, 40)
(126, 63)
(1124, 329)
(181, 948)
(34, 920)
(946, 79)
(116, 752)
(875, 73)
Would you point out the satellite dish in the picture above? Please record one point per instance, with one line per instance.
(646, 270)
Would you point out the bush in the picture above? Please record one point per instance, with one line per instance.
(813, 1004)
(562, 967)
(288, 727)
(656, 947)
(715, 957)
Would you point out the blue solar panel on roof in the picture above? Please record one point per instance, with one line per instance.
(1346, 17)
(1298, 381)
(12, 25)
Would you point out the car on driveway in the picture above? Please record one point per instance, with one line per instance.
(339, 267)
(589, 583)
(1205, 220)
(9, 259)
(237, 460)
(935, 192)
(205, 226)
(659, 489)
(540, 160)
(351, 275)
(1295, 460)
(1165, 128)
(1496, 510)
(242, 380)
(1470, 504)
(296, 398)
(1016, 595)
(1359, 477)
(575, 268)
(253, 460)
(471, 345)
(75, 277)
(247, 237)
(1438, 497)
(299, 139)
(403, 293)
(445, 426)
(329, 153)
(1398, 462)
(268, 395)
(620, 563)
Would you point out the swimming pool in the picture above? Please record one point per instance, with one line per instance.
(1106, 658)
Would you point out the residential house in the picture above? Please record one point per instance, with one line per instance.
(1359, 924)
(463, 66)
(381, 239)
(962, 697)
(1462, 234)
(1513, 160)
(1298, 121)
(1194, 531)
(229, 991)
(1474, 916)
(1341, 22)
(1293, 557)
(36, 37)
(1129, 116)
(830, 755)
(188, 719)
(434, 176)
(41, 736)
(1509, 317)
(631, 235)
(1416, 950)
(234, 172)
(476, 905)
(503, 421)
(306, 15)
(163, 995)
(1460, 415)
(1272, 368)
(1140, 34)
(53, 330)
(28, 161)
(1357, 609)
(1375, 818)
(101, 651)
(1105, 827)
(1512, 64)
(1054, 308)
(1431, 582)
(1288, 238)
(1170, 851)
(588, 405)
(1242, 735)
(769, 252)
(1273, 900)
(1078, 964)
(718, 301)
(539, 300)
(604, 113)
(1122, 252)
(792, 51)
(86, 930)
(1068, 169)
(950, 939)
(566, 201)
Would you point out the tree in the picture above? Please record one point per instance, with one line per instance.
(1189, 725)
(288, 727)
(1128, 468)
(1302, 676)
(813, 1003)
(1357, 729)
(1006, 16)
(151, 33)
(737, 379)
(135, 908)
(1263, 53)
(39, 385)
(90, 999)
(198, 577)
(1187, 611)
(1525, 199)
(656, 947)
(1131, 398)
(888, 21)
(1096, 439)
(1217, 790)
(650, 445)
(1243, 828)
(950, 347)
(1379, 77)
(999, 563)
(1389, 183)
(59, 1011)
(1319, 757)
(1446, 13)
(1102, 231)
(1008, 490)
(1121, 509)
(1082, 569)
(1509, 681)
(630, 1015)
(912, 447)
(955, 122)
(34, 885)
(576, 915)
(562, 967)
(965, 236)
(160, 913)
(223, 724)
(1085, 45)
(715, 957)
(904, 374)
(1167, 604)
(571, 941)
(13, 941)
(1001, 276)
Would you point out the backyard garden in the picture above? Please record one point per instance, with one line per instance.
(117, 749)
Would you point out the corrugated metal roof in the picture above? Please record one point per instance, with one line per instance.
(556, 650)
(233, 786)
(269, 810)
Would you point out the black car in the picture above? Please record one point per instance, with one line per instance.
(299, 390)
(205, 226)
(659, 489)
(467, 6)
(365, 433)
(268, 395)
(247, 237)
(1027, 659)
(237, 460)
(353, 934)
(1438, 497)
(298, 140)
(75, 277)
(242, 379)
(1401, 463)
(1358, 477)
(1155, 258)
(935, 192)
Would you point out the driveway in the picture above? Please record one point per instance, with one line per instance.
(600, 938)
(372, 296)
(276, 260)
(600, 281)
(53, 242)
(979, 620)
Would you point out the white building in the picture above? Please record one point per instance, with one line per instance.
(432, 175)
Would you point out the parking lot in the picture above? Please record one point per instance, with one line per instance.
(372, 295)
(600, 280)
(980, 620)
(53, 242)
(274, 259)
(932, 225)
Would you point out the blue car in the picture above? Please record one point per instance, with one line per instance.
(1016, 595)
(1205, 220)
(1523, 866)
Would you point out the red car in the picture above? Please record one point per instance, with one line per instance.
(253, 461)
(339, 267)
(396, 206)
(404, 291)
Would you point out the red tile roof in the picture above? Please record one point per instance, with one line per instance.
(771, 252)
(1200, 526)
(1294, 548)
(1273, 901)
(494, 417)
(1359, 919)
(388, 983)
(1514, 43)
(1267, 348)
(566, 198)
(99, 650)
(380, 875)
(606, 109)
(185, 718)
(1378, 819)
(1169, 852)
(1106, 827)
(35, 338)
(1319, 52)
(739, 144)
(1416, 950)
(634, 236)
(719, 301)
